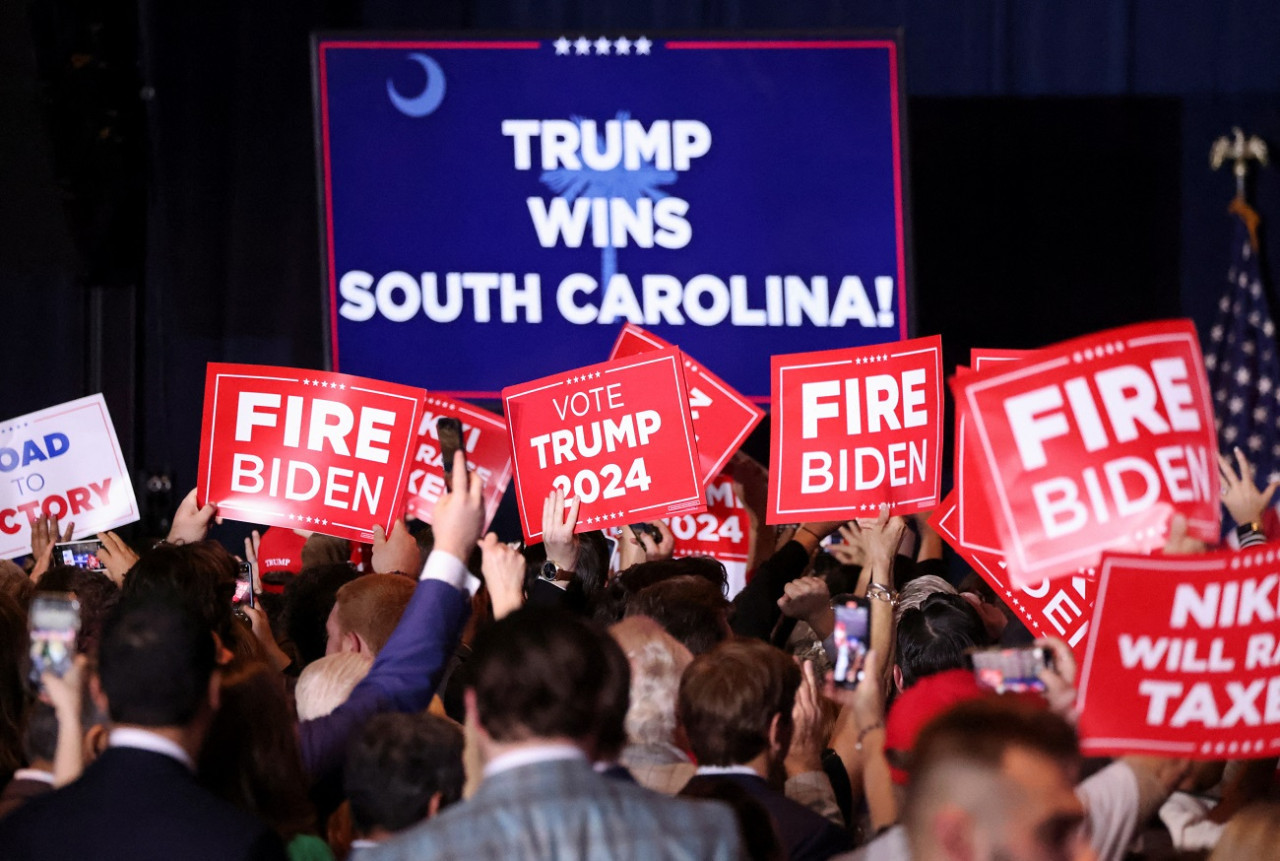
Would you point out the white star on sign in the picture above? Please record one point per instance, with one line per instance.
(622, 46)
(603, 45)
(582, 46)
(642, 45)
(562, 46)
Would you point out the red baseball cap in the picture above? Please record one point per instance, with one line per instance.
(280, 551)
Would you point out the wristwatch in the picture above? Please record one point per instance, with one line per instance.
(549, 571)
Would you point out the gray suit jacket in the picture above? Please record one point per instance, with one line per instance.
(564, 810)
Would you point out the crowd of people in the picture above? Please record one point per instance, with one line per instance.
(446, 694)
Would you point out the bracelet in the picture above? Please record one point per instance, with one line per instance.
(880, 592)
(862, 733)
(810, 531)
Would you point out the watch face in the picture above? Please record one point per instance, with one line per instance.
(549, 571)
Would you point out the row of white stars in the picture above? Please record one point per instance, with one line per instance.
(601, 518)
(305, 519)
(867, 360)
(1091, 353)
(581, 378)
(324, 384)
(582, 46)
(1237, 746)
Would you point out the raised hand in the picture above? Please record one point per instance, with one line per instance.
(459, 514)
(558, 524)
(191, 522)
(1240, 496)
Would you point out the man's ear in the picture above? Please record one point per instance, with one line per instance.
(897, 677)
(779, 735)
(953, 833)
(353, 642)
(215, 690)
(96, 693)
(473, 714)
(433, 804)
(94, 743)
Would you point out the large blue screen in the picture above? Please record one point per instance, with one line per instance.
(495, 209)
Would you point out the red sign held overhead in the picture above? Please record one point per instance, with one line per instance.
(488, 448)
(722, 418)
(722, 531)
(1052, 608)
(321, 451)
(1183, 657)
(856, 428)
(1092, 445)
(976, 524)
(617, 436)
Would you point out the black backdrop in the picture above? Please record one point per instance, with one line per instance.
(159, 201)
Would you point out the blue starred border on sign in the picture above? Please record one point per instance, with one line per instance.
(602, 46)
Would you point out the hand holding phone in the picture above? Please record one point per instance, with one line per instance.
(851, 635)
(1010, 670)
(449, 432)
(244, 586)
(82, 554)
(54, 621)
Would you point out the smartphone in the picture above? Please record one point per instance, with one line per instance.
(449, 432)
(82, 554)
(54, 621)
(244, 586)
(852, 634)
(1010, 670)
(641, 529)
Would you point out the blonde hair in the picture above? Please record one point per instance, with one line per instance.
(326, 683)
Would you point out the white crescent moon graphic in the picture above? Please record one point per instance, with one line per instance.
(426, 101)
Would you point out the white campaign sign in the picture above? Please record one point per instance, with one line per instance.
(64, 462)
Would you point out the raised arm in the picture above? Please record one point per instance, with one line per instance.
(407, 670)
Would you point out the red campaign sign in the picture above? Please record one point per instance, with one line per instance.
(976, 523)
(1091, 445)
(1182, 659)
(722, 418)
(856, 428)
(311, 449)
(722, 531)
(488, 448)
(1052, 608)
(617, 435)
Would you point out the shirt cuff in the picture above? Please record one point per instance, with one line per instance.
(450, 569)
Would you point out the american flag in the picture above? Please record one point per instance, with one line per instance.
(1244, 370)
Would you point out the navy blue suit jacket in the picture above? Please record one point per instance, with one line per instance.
(135, 805)
(806, 835)
(403, 677)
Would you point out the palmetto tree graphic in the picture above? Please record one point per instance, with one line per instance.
(629, 185)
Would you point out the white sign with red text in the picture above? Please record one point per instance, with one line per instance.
(326, 452)
(617, 436)
(62, 462)
(488, 449)
(1092, 445)
(856, 428)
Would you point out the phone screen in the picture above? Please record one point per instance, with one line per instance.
(449, 432)
(1010, 670)
(244, 586)
(851, 635)
(54, 621)
(82, 554)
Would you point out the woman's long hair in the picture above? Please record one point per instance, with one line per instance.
(251, 757)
